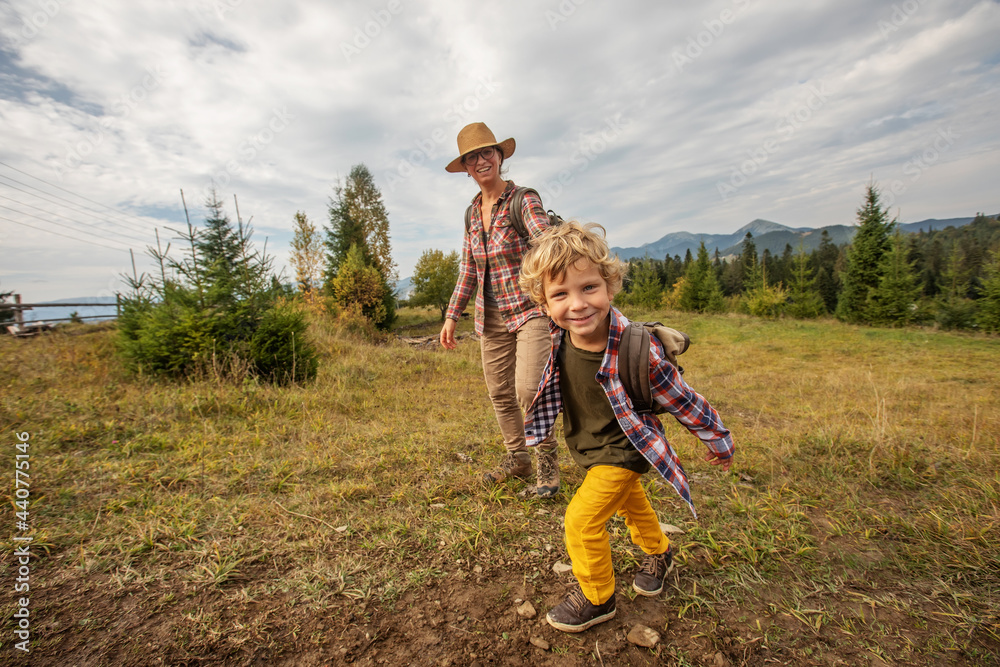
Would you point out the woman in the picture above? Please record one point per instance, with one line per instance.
(514, 333)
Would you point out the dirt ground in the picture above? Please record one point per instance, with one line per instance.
(467, 616)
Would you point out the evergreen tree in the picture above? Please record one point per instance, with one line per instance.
(893, 301)
(804, 301)
(988, 316)
(219, 248)
(760, 298)
(307, 254)
(953, 308)
(360, 287)
(749, 266)
(214, 310)
(6, 314)
(358, 218)
(825, 262)
(864, 257)
(700, 291)
(646, 289)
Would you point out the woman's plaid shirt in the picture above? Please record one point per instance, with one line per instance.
(503, 253)
(643, 430)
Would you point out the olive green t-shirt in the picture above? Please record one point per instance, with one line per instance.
(589, 424)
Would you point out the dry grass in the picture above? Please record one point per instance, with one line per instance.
(862, 512)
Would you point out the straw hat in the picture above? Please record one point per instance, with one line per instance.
(474, 136)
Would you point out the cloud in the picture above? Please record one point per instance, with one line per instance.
(632, 115)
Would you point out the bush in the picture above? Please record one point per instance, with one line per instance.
(278, 347)
(225, 313)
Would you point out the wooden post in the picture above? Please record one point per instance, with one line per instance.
(18, 314)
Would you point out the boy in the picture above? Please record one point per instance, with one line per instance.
(570, 274)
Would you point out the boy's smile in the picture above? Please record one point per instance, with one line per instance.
(580, 303)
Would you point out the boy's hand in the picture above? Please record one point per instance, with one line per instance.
(716, 460)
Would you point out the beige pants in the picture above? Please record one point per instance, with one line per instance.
(512, 364)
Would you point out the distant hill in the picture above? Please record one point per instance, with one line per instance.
(403, 288)
(766, 235)
(104, 307)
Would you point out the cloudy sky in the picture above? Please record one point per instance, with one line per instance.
(647, 117)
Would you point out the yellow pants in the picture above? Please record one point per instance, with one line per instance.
(605, 491)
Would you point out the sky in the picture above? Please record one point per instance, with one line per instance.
(647, 117)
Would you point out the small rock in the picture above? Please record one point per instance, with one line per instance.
(720, 660)
(561, 568)
(645, 637)
(671, 530)
(478, 569)
(464, 457)
(527, 610)
(540, 643)
(548, 547)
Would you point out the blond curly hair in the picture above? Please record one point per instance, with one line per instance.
(561, 246)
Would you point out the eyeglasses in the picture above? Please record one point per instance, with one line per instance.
(473, 158)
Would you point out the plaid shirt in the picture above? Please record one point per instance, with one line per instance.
(501, 254)
(643, 430)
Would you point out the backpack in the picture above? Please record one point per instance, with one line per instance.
(633, 360)
(516, 221)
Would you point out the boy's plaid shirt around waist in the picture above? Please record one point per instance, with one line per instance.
(643, 430)
(503, 252)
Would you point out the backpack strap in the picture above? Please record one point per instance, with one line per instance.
(633, 366)
(516, 217)
(633, 360)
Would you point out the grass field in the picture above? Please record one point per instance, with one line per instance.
(219, 522)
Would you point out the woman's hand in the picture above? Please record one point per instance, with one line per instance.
(448, 334)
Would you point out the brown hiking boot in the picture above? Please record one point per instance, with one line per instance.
(513, 464)
(652, 572)
(548, 473)
(576, 613)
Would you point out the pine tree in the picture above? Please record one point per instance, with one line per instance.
(864, 257)
(646, 290)
(893, 301)
(988, 316)
(307, 254)
(953, 308)
(360, 287)
(760, 298)
(749, 266)
(825, 261)
(358, 218)
(804, 301)
(700, 291)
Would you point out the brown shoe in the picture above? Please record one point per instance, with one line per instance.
(548, 473)
(576, 613)
(513, 464)
(652, 572)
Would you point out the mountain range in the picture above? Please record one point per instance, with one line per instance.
(766, 235)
